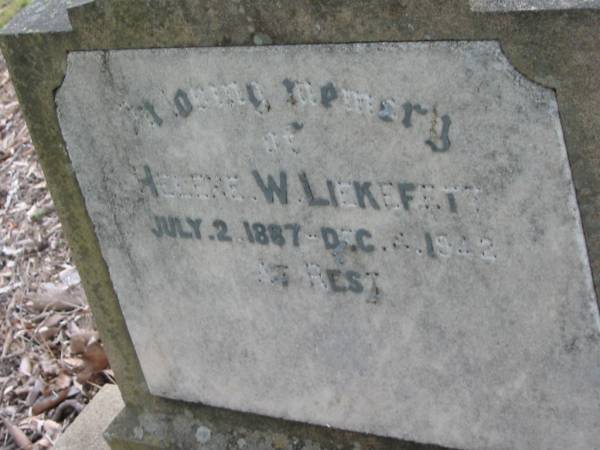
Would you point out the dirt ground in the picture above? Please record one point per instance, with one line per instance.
(51, 360)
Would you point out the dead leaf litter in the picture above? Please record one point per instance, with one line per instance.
(51, 359)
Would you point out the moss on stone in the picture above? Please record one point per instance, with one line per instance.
(8, 8)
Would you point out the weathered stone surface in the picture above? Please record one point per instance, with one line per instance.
(471, 322)
(86, 432)
(532, 5)
(43, 16)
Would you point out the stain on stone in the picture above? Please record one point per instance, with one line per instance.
(106, 67)
(444, 137)
(138, 433)
(328, 94)
(571, 345)
(289, 86)
(297, 126)
(297, 444)
(252, 96)
(280, 442)
(262, 39)
(203, 434)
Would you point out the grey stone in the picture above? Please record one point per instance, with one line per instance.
(43, 16)
(203, 434)
(532, 5)
(472, 322)
(86, 431)
(261, 39)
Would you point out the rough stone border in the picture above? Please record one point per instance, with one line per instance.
(558, 49)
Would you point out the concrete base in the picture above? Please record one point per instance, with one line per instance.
(86, 431)
(107, 418)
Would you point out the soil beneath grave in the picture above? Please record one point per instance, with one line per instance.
(51, 360)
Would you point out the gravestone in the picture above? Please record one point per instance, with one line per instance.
(382, 236)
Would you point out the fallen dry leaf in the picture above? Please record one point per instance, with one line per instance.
(44, 442)
(95, 357)
(35, 392)
(74, 363)
(50, 402)
(25, 366)
(52, 320)
(80, 341)
(49, 367)
(95, 361)
(62, 381)
(50, 426)
(47, 333)
(18, 436)
(57, 297)
(66, 407)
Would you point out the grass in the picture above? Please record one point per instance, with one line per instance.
(8, 8)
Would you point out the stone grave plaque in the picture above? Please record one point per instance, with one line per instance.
(381, 238)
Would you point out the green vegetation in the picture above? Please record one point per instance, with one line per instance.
(8, 8)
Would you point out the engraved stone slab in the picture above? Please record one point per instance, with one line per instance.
(383, 238)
